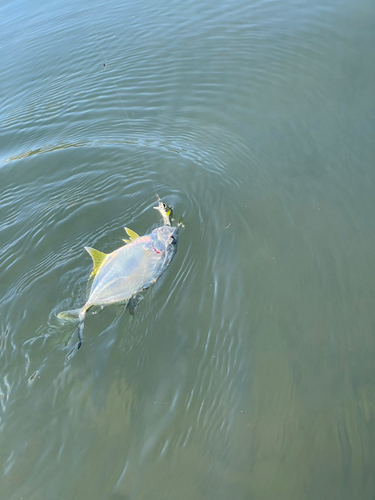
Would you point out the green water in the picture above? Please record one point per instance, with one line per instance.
(247, 372)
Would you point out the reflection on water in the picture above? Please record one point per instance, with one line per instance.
(247, 371)
(45, 149)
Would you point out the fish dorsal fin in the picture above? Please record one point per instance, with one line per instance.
(97, 257)
(127, 241)
(132, 234)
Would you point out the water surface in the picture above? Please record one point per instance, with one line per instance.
(247, 372)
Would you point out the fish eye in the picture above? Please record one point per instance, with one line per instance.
(173, 239)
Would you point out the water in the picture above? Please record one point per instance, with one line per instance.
(247, 372)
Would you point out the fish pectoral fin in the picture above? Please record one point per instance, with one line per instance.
(132, 234)
(97, 257)
(133, 302)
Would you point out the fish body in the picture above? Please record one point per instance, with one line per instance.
(133, 267)
(119, 276)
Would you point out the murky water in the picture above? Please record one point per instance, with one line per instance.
(248, 369)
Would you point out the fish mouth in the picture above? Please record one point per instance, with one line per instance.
(166, 240)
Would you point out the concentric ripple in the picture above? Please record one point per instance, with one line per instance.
(109, 184)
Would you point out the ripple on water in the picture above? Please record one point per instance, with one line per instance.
(47, 270)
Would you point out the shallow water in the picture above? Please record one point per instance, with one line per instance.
(247, 371)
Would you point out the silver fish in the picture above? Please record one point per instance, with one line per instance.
(119, 276)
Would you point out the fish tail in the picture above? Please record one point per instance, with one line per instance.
(81, 318)
(76, 315)
(72, 315)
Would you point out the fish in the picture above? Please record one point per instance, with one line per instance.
(118, 277)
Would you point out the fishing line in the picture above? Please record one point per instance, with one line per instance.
(105, 65)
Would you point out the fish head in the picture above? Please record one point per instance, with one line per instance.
(164, 240)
